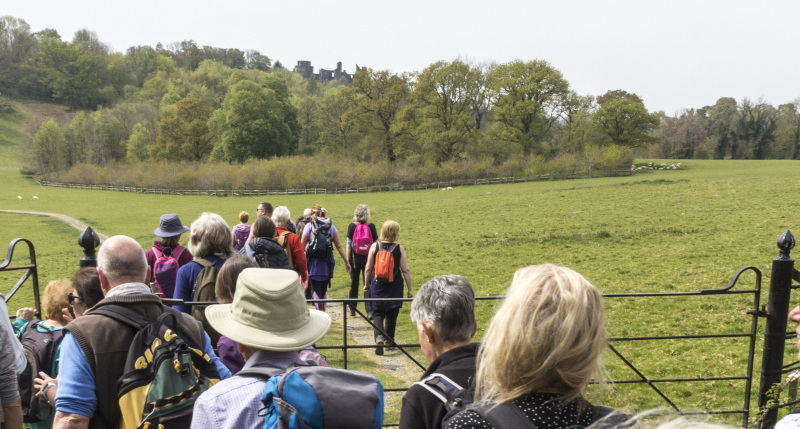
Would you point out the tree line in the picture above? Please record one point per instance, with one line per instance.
(185, 103)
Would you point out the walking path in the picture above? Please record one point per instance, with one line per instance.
(71, 221)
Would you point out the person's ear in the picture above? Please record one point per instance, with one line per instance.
(428, 332)
(104, 283)
(474, 329)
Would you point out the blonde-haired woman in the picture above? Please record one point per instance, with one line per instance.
(539, 353)
(384, 314)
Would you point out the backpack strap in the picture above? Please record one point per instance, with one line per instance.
(505, 416)
(157, 252)
(443, 388)
(205, 263)
(261, 371)
(178, 258)
(122, 315)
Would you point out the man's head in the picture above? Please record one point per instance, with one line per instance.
(444, 311)
(120, 260)
(281, 216)
(264, 209)
(269, 312)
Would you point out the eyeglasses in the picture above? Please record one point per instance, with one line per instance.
(71, 297)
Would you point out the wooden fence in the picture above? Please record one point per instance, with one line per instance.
(315, 191)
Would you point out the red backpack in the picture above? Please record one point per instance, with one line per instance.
(384, 264)
(362, 239)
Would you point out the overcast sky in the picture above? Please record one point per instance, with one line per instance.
(674, 54)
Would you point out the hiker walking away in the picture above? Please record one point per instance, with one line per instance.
(360, 236)
(163, 268)
(387, 266)
(211, 243)
(241, 231)
(561, 338)
(444, 312)
(281, 216)
(264, 248)
(302, 221)
(97, 345)
(264, 209)
(271, 323)
(319, 237)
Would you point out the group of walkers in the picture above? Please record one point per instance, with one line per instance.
(114, 355)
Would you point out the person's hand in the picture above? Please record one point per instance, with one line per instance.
(410, 293)
(40, 382)
(348, 267)
(366, 287)
(66, 315)
(26, 313)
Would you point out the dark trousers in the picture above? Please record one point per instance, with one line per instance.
(386, 320)
(319, 288)
(356, 276)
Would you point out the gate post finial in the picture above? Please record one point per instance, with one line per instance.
(786, 243)
(89, 241)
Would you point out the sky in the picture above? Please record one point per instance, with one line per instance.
(673, 54)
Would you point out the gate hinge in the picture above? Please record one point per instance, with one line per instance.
(759, 313)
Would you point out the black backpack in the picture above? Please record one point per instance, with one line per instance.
(320, 246)
(39, 349)
(505, 415)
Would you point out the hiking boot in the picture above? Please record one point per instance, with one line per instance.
(352, 312)
(379, 348)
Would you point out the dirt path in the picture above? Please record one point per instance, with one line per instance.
(71, 221)
(394, 361)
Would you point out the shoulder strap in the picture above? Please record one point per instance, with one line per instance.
(258, 371)
(394, 246)
(437, 384)
(178, 257)
(505, 416)
(157, 252)
(205, 263)
(122, 315)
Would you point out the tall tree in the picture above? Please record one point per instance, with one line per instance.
(17, 44)
(70, 72)
(531, 99)
(442, 108)
(48, 147)
(379, 96)
(624, 120)
(722, 119)
(756, 128)
(787, 132)
(250, 124)
(183, 133)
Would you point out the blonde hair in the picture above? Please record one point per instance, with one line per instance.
(244, 216)
(319, 211)
(210, 234)
(390, 231)
(55, 298)
(548, 334)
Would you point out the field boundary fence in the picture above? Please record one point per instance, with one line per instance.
(775, 333)
(334, 190)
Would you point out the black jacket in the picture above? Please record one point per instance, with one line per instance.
(266, 252)
(421, 409)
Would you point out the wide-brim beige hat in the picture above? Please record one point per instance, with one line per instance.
(269, 312)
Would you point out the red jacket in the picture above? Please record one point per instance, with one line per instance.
(298, 254)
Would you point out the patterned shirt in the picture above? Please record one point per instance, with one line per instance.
(543, 410)
(236, 402)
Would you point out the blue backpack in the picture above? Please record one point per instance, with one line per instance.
(317, 397)
(320, 246)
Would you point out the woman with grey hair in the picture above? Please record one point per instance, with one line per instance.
(444, 312)
(282, 218)
(211, 243)
(360, 236)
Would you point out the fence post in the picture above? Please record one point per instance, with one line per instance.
(89, 241)
(780, 288)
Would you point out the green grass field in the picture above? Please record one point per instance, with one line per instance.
(682, 230)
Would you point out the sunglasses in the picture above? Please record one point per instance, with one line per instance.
(71, 297)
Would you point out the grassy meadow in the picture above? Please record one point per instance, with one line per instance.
(658, 231)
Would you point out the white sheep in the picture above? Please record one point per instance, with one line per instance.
(449, 188)
(19, 197)
(35, 197)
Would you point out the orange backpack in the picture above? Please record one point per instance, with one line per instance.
(384, 264)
